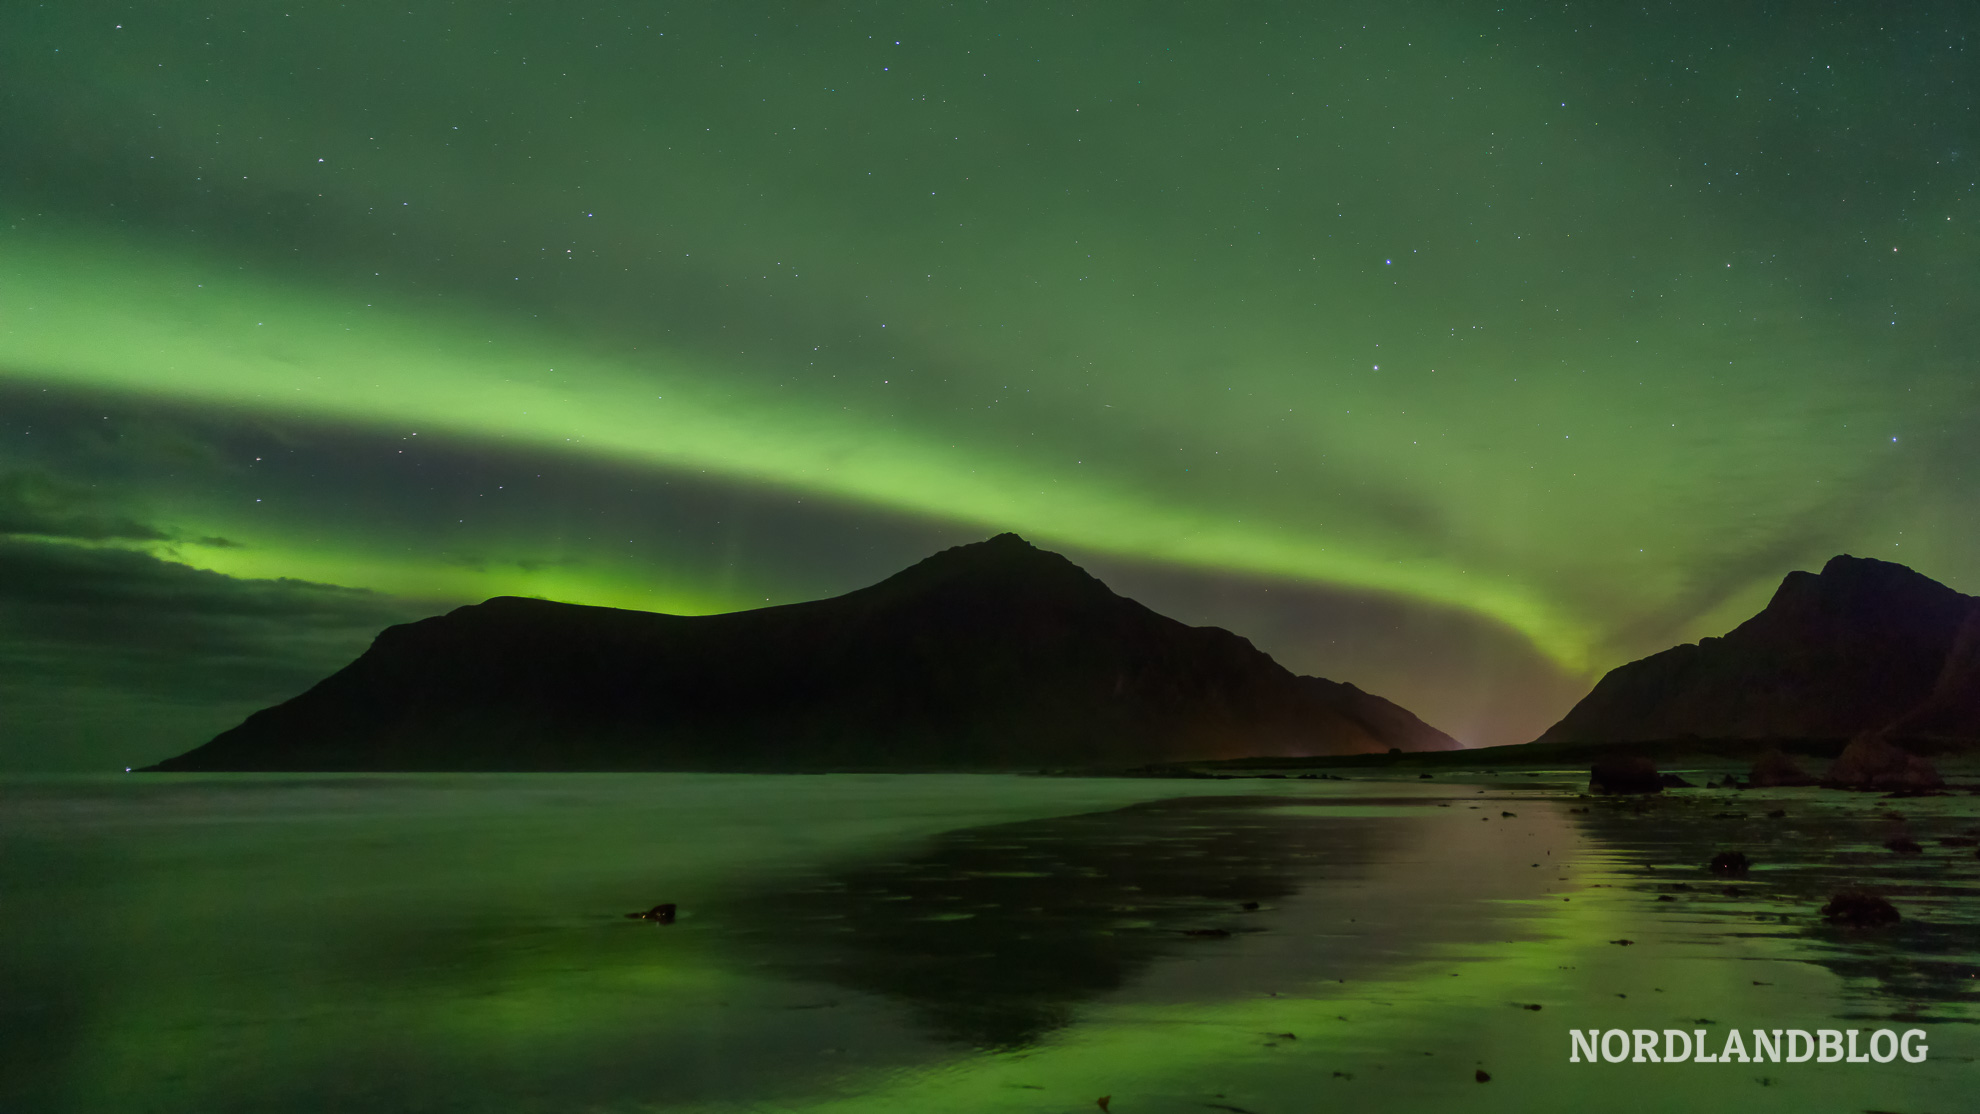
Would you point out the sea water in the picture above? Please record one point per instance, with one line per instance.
(955, 943)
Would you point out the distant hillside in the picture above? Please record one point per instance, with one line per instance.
(1864, 645)
(995, 655)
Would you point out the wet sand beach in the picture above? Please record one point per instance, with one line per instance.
(955, 942)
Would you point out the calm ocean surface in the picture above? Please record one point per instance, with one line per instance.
(954, 943)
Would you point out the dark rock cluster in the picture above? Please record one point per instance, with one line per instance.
(1874, 762)
(1776, 769)
(1625, 775)
(1859, 909)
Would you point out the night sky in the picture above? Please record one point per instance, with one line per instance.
(1458, 351)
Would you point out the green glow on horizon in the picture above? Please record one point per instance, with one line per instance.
(425, 580)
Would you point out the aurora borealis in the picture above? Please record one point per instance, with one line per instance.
(1456, 351)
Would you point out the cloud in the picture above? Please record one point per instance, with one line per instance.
(36, 504)
(93, 628)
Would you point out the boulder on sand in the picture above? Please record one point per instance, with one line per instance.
(1775, 768)
(1873, 762)
(1859, 909)
(1730, 862)
(1624, 775)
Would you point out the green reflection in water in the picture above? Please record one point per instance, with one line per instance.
(457, 943)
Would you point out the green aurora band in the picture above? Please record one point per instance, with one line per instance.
(478, 378)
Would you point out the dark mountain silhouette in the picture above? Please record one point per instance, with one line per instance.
(988, 656)
(1865, 645)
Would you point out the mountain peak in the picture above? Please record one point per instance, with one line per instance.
(1851, 597)
(1004, 546)
(1004, 560)
(1844, 573)
(1862, 645)
(1844, 564)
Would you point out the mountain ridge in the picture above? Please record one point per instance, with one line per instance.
(1864, 645)
(994, 655)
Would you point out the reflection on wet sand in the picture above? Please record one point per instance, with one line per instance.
(1805, 846)
(993, 936)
